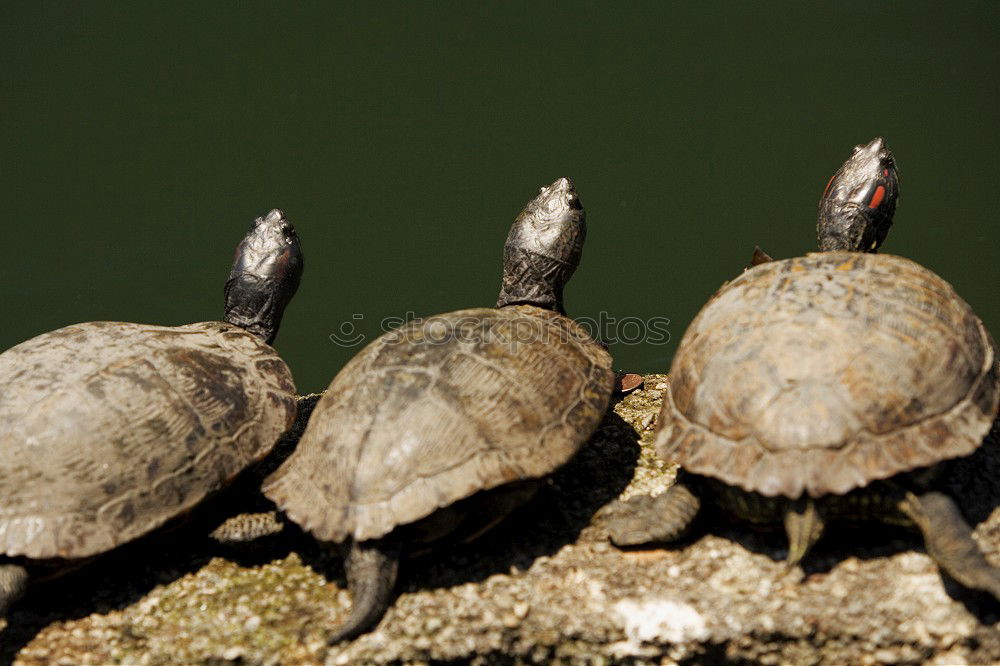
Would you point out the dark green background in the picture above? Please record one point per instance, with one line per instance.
(138, 140)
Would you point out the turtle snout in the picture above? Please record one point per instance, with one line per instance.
(276, 215)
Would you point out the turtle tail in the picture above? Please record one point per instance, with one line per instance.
(804, 526)
(948, 539)
(13, 581)
(371, 568)
(247, 527)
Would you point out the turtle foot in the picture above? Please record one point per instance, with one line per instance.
(646, 519)
(948, 539)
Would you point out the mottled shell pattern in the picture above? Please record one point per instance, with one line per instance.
(440, 409)
(820, 374)
(96, 450)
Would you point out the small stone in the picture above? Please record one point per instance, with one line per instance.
(628, 382)
(233, 653)
(886, 656)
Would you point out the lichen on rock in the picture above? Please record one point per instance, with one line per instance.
(544, 587)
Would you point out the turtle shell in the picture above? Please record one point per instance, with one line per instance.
(823, 373)
(438, 410)
(109, 429)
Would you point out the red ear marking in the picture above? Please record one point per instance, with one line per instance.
(828, 184)
(885, 172)
(877, 197)
(283, 260)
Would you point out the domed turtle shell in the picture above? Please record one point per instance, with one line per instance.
(413, 423)
(109, 429)
(822, 373)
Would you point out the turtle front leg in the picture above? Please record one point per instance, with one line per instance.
(646, 519)
(13, 583)
(948, 539)
(371, 568)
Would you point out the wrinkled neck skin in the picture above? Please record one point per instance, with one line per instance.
(267, 268)
(543, 248)
(256, 304)
(844, 225)
(530, 278)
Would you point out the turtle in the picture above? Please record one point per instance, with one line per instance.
(441, 427)
(841, 385)
(109, 430)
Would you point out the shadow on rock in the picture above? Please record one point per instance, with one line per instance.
(974, 482)
(111, 582)
(555, 517)
(118, 579)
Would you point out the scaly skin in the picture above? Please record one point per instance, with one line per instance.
(247, 527)
(371, 567)
(13, 583)
(645, 519)
(948, 540)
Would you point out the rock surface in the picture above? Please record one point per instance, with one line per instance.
(545, 587)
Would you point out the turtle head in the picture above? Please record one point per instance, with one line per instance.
(266, 272)
(543, 248)
(856, 209)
